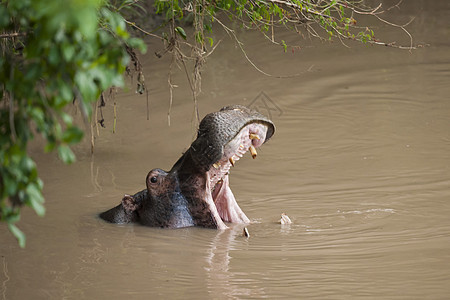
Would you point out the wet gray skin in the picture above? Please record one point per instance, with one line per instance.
(195, 192)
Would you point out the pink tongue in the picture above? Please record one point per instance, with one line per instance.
(226, 204)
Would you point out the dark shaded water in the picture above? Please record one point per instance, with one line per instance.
(360, 162)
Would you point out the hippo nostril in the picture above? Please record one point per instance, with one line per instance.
(153, 179)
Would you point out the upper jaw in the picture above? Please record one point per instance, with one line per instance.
(249, 138)
(220, 129)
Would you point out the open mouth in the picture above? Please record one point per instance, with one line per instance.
(249, 138)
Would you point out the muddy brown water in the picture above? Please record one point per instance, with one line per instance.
(360, 161)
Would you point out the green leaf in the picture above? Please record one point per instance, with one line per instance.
(211, 41)
(199, 37)
(72, 135)
(86, 85)
(53, 56)
(50, 146)
(86, 18)
(181, 32)
(138, 44)
(284, 45)
(66, 154)
(13, 215)
(10, 184)
(38, 207)
(4, 16)
(68, 51)
(20, 236)
(208, 27)
(65, 94)
(36, 199)
(67, 119)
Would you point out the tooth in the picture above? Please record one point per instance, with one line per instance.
(216, 165)
(245, 232)
(231, 161)
(254, 136)
(253, 151)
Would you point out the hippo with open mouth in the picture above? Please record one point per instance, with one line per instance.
(196, 191)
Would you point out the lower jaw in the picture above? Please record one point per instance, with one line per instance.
(225, 202)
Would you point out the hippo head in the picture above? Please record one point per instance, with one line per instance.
(196, 192)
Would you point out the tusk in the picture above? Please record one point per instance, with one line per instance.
(254, 136)
(231, 161)
(253, 151)
(245, 232)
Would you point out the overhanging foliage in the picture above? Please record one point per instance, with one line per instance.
(53, 54)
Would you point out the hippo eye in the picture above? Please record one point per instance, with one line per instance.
(153, 179)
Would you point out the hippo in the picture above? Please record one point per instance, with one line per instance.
(196, 191)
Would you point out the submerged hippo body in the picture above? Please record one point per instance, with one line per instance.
(195, 192)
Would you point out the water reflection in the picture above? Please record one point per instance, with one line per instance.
(222, 281)
(219, 276)
(94, 176)
(5, 274)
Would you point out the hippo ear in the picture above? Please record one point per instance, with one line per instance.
(129, 204)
